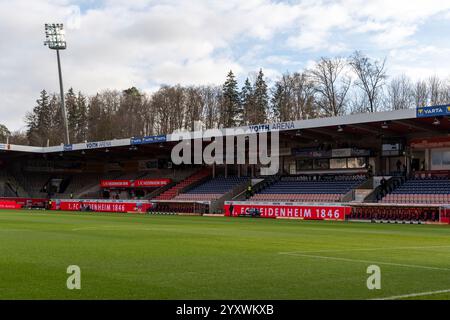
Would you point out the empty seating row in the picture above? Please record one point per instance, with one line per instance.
(424, 186)
(425, 191)
(326, 197)
(198, 197)
(301, 188)
(218, 185)
(417, 198)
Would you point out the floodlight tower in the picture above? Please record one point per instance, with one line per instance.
(55, 40)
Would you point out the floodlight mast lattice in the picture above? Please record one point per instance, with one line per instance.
(55, 40)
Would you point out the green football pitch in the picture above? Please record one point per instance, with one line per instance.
(125, 256)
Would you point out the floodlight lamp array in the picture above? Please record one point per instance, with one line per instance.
(55, 36)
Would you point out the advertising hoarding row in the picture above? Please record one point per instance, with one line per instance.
(288, 210)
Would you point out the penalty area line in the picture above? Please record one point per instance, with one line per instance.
(365, 261)
(413, 295)
(366, 249)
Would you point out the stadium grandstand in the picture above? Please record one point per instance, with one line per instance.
(389, 165)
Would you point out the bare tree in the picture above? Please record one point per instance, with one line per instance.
(420, 93)
(371, 77)
(436, 88)
(211, 97)
(400, 93)
(18, 137)
(194, 107)
(148, 116)
(331, 85)
(303, 96)
(293, 97)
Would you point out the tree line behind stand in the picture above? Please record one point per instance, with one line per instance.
(332, 87)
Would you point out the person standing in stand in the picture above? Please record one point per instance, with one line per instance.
(231, 209)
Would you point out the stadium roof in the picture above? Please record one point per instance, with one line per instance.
(394, 122)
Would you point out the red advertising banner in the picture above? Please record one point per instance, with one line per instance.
(27, 201)
(9, 205)
(115, 183)
(289, 210)
(142, 183)
(101, 205)
(151, 182)
(445, 215)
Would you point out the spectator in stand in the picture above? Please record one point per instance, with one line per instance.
(231, 209)
(249, 192)
(422, 168)
(369, 171)
(383, 183)
(399, 165)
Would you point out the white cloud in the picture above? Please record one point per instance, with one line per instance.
(122, 43)
(118, 44)
(420, 62)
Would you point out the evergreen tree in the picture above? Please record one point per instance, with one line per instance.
(94, 114)
(72, 114)
(33, 120)
(279, 102)
(261, 100)
(53, 122)
(231, 107)
(247, 102)
(4, 132)
(82, 125)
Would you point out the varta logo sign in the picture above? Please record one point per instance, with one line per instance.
(433, 111)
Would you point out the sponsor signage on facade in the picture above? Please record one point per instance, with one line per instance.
(272, 127)
(335, 153)
(150, 183)
(310, 153)
(98, 144)
(148, 139)
(434, 111)
(115, 183)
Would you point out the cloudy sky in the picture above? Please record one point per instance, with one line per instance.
(122, 43)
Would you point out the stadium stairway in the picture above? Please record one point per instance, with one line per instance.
(184, 185)
(258, 184)
(238, 188)
(12, 187)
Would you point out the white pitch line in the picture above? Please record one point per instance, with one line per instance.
(366, 249)
(111, 228)
(413, 295)
(367, 261)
